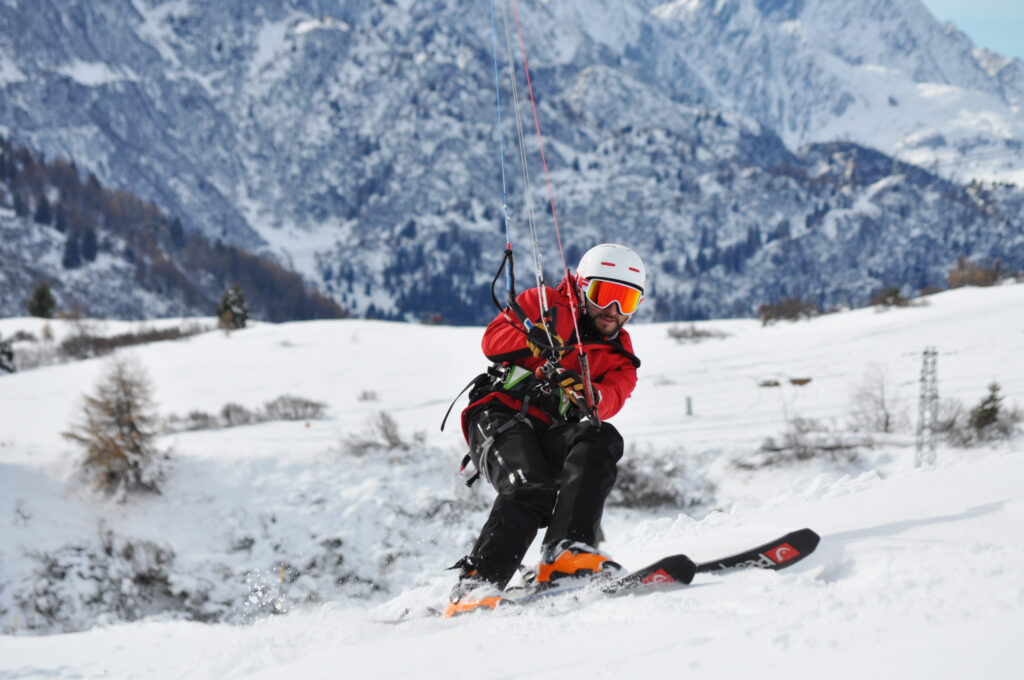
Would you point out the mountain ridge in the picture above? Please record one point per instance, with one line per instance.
(358, 144)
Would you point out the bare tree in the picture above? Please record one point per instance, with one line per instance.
(877, 406)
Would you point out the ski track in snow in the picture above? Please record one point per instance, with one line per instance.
(919, 572)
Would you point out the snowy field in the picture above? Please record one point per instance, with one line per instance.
(920, 571)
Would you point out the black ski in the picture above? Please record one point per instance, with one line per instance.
(778, 554)
(678, 570)
(671, 571)
(675, 571)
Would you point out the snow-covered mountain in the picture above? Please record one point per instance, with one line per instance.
(357, 141)
(918, 572)
(882, 74)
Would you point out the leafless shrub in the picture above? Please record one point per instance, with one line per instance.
(84, 343)
(877, 405)
(888, 297)
(233, 415)
(790, 309)
(23, 336)
(650, 479)
(381, 433)
(195, 420)
(805, 439)
(285, 407)
(118, 431)
(967, 273)
(367, 395)
(6, 356)
(691, 333)
(123, 578)
(288, 407)
(991, 420)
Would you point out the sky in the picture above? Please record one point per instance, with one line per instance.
(995, 24)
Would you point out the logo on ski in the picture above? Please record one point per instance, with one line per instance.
(660, 576)
(783, 553)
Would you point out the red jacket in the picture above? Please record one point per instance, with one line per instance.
(612, 362)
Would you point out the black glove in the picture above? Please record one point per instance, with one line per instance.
(541, 347)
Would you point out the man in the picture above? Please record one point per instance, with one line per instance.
(531, 434)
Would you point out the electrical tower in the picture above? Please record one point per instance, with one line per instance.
(928, 409)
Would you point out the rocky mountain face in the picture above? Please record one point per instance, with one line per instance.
(745, 147)
(117, 256)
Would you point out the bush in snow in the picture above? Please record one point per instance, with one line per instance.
(691, 333)
(989, 421)
(118, 429)
(967, 273)
(195, 420)
(381, 434)
(790, 309)
(233, 415)
(805, 439)
(117, 578)
(233, 311)
(287, 407)
(85, 342)
(6, 356)
(888, 297)
(655, 479)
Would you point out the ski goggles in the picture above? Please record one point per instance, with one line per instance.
(603, 293)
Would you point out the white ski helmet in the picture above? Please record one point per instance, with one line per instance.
(615, 263)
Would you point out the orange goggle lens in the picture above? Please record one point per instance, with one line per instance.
(603, 293)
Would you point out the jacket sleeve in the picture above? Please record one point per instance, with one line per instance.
(504, 341)
(615, 386)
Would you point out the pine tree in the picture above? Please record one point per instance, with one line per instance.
(72, 254)
(90, 245)
(44, 211)
(233, 311)
(177, 234)
(987, 412)
(20, 205)
(42, 303)
(61, 218)
(118, 431)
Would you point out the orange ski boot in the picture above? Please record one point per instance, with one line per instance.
(574, 560)
(473, 592)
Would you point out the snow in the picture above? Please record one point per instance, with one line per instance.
(94, 73)
(309, 25)
(9, 71)
(919, 572)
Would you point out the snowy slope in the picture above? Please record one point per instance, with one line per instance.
(919, 571)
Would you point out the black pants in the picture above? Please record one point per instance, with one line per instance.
(557, 476)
